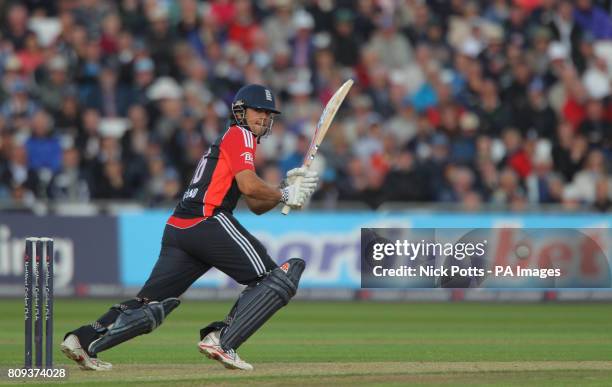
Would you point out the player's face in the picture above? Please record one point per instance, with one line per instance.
(259, 121)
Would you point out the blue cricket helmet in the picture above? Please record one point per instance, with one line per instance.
(255, 97)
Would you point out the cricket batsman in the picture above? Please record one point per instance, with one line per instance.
(202, 233)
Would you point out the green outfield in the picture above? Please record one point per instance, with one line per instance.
(327, 343)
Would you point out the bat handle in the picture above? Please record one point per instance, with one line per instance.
(285, 209)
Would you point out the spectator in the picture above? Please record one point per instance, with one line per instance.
(555, 189)
(353, 185)
(19, 106)
(67, 118)
(426, 97)
(279, 28)
(595, 128)
(405, 181)
(279, 73)
(168, 95)
(89, 67)
(584, 184)
(161, 184)
(594, 19)
(17, 172)
(345, 44)
(379, 93)
(569, 151)
(88, 140)
(90, 13)
(393, 49)
(243, 27)
(494, 116)
(436, 164)
(586, 53)
(11, 74)
(43, 147)
(16, 29)
(575, 96)
(144, 75)
(565, 30)
(295, 158)
(488, 178)
(459, 183)
(464, 141)
(338, 158)
(56, 86)
(369, 142)
(271, 175)
(501, 102)
(31, 56)
(325, 78)
(132, 16)
(516, 155)
(516, 93)
(69, 184)
(300, 109)
(497, 11)
(260, 50)
(161, 40)
(136, 139)
(538, 184)
(540, 43)
(224, 11)
(495, 61)
(516, 25)
(509, 188)
(602, 203)
(364, 25)
(111, 184)
(111, 28)
(472, 202)
(109, 97)
(537, 118)
(419, 20)
(403, 124)
(302, 44)
(188, 131)
(279, 144)
(596, 79)
(420, 145)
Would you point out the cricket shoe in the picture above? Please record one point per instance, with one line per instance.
(210, 347)
(71, 347)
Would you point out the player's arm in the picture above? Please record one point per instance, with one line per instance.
(259, 195)
(237, 147)
(262, 197)
(259, 207)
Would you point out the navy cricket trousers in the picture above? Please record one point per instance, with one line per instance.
(190, 250)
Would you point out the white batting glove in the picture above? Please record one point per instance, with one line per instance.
(294, 195)
(308, 187)
(308, 177)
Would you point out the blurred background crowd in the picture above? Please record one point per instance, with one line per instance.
(482, 104)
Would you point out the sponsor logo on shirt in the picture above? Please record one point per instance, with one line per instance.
(248, 157)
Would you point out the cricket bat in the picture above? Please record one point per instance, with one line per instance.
(322, 126)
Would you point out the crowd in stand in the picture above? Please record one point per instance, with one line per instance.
(502, 103)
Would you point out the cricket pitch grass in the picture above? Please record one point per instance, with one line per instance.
(334, 343)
